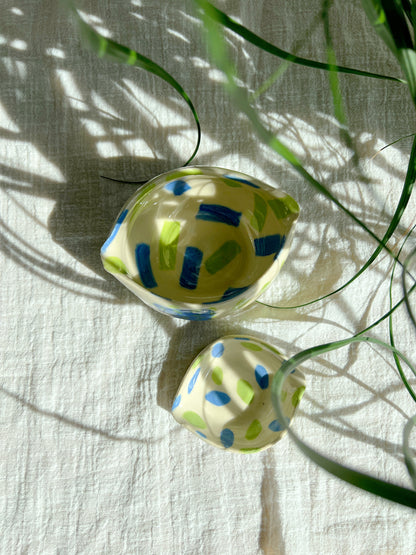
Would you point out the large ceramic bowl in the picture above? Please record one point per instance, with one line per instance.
(201, 242)
(225, 396)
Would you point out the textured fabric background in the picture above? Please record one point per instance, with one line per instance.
(90, 459)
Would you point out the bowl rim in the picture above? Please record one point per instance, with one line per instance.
(202, 307)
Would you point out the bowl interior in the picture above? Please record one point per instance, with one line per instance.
(205, 237)
(225, 397)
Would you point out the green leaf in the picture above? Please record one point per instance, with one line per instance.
(216, 41)
(378, 19)
(220, 17)
(409, 269)
(111, 50)
(366, 482)
(391, 334)
(411, 467)
(401, 206)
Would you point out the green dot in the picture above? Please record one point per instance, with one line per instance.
(114, 265)
(297, 396)
(250, 450)
(217, 375)
(272, 348)
(194, 419)
(251, 346)
(245, 391)
(253, 430)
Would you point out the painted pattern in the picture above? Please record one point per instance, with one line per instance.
(185, 241)
(226, 393)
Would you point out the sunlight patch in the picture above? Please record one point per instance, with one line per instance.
(24, 156)
(148, 103)
(103, 105)
(6, 122)
(19, 44)
(94, 128)
(138, 147)
(56, 53)
(107, 149)
(71, 90)
(178, 35)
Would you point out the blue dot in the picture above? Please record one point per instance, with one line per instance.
(217, 350)
(217, 398)
(192, 383)
(176, 402)
(177, 187)
(200, 434)
(227, 438)
(275, 426)
(262, 376)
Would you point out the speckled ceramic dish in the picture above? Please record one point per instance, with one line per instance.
(225, 398)
(201, 242)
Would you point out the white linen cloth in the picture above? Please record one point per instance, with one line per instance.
(91, 460)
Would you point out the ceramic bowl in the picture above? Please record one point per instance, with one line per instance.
(225, 396)
(201, 242)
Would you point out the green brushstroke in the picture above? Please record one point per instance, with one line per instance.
(284, 207)
(168, 244)
(183, 173)
(114, 265)
(251, 346)
(223, 256)
(258, 218)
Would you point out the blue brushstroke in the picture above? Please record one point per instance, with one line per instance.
(218, 398)
(271, 244)
(262, 376)
(205, 314)
(119, 221)
(233, 292)
(218, 213)
(227, 438)
(241, 180)
(192, 381)
(144, 266)
(190, 269)
(177, 187)
(200, 434)
(176, 402)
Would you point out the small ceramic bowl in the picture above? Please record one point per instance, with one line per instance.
(201, 242)
(225, 396)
